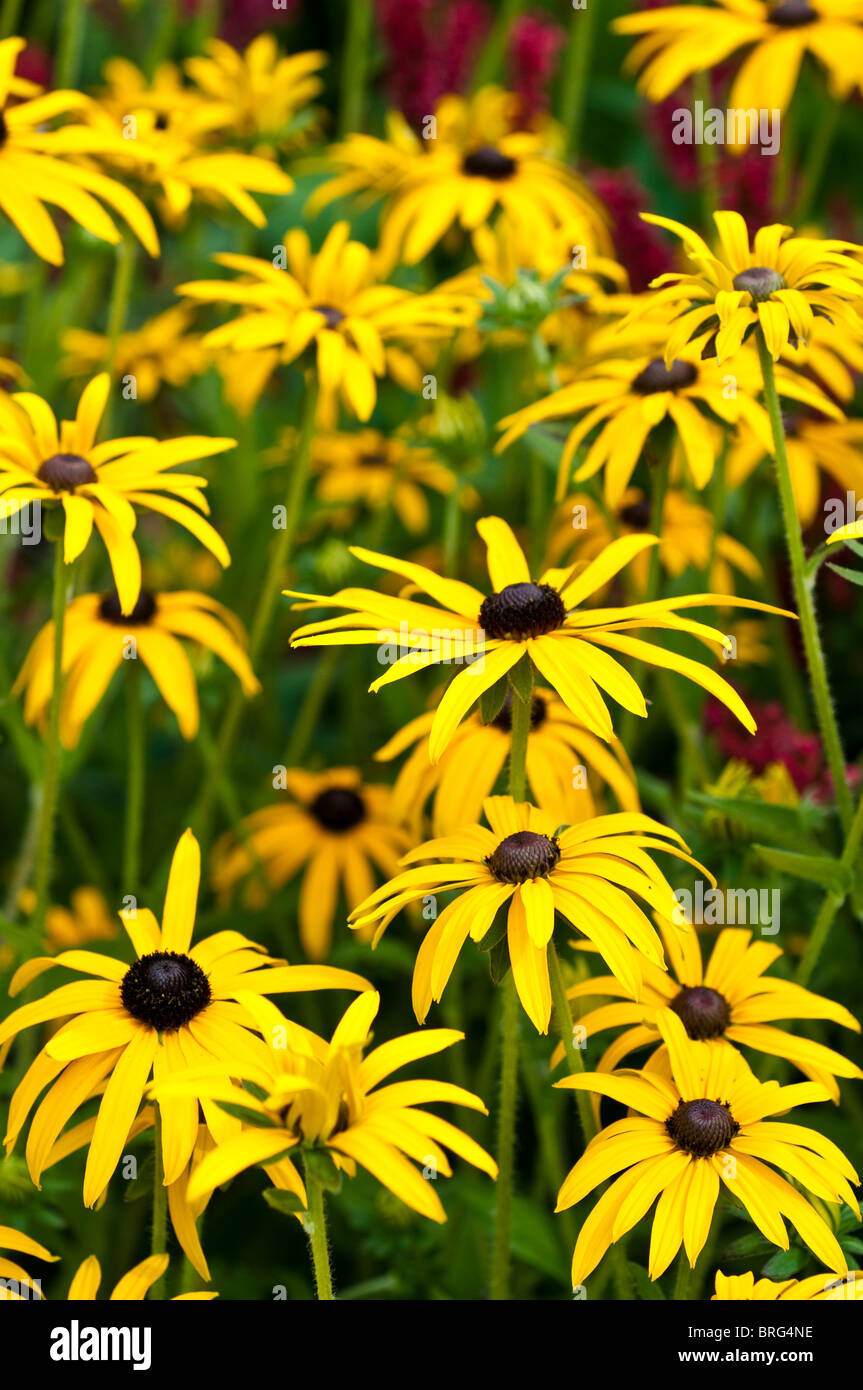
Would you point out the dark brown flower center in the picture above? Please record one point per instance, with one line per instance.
(65, 472)
(372, 460)
(790, 14)
(538, 713)
(637, 515)
(521, 611)
(702, 1127)
(338, 809)
(657, 377)
(143, 612)
(704, 1012)
(4, 129)
(332, 316)
(488, 162)
(165, 989)
(759, 281)
(524, 855)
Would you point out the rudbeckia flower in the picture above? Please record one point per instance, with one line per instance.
(261, 93)
(543, 621)
(568, 769)
(102, 483)
(745, 1288)
(131, 1288)
(621, 402)
(813, 446)
(680, 40)
(478, 163)
(175, 1005)
(335, 828)
(707, 1122)
(10, 1272)
(98, 639)
(328, 1096)
(335, 303)
(730, 999)
(162, 352)
(781, 284)
(527, 864)
(37, 166)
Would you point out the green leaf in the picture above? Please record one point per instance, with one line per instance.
(319, 1164)
(815, 868)
(247, 1114)
(746, 1247)
(286, 1202)
(26, 940)
(793, 825)
(495, 933)
(646, 1289)
(856, 546)
(498, 960)
(491, 700)
(853, 576)
(784, 1264)
(521, 679)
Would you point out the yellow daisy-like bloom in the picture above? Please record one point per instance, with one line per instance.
(334, 302)
(586, 872)
(102, 483)
(175, 1006)
(98, 639)
(87, 918)
(328, 1096)
(336, 828)
(731, 1000)
(131, 1288)
(162, 352)
(37, 166)
(681, 40)
(260, 93)
(569, 645)
(624, 401)
(781, 284)
(12, 1273)
(477, 164)
(832, 446)
(705, 1123)
(567, 768)
(818, 1288)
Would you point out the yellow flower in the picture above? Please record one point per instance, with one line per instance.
(326, 1096)
(475, 163)
(98, 639)
(585, 872)
(37, 166)
(102, 483)
(560, 755)
(88, 918)
(12, 1273)
(812, 445)
(336, 828)
(680, 40)
(133, 1287)
(543, 621)
(160, 353)
(334, 301)
(782, 284)
(260, 93)
(817, 1288)
(706, 1122)
(174, 1005)
(731, 999)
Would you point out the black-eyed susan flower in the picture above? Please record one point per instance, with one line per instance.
(569, 645)
(102, 484)
(781, 283)
(334, 828)
(814, 447)
(261, 95)
(818, 1288)
(527, 864)
(175, 1005)
(705, 1123)
(568, 769)
(679, 40)
(162, 352)
(98, 638)
(39, 165)
(11, 1273)
(730, 999)
(336, 303)
(327, 1095)
(131, 1287)
(478, 163)
(619, 403)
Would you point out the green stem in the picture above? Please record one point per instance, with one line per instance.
(307, 716)
(136, 772)
(316, 1230)
(816, 158)
(9, 17)
(355, 62)
(490, 64)
(804, 594)
(707, 157)
(451, 530)
(576, 74)
(574, 1059)
(520, 720)
(507, 1104)
(683, 1280)
(118, 308)
(832, 902)
(163, 35)
(159, 1242)
(659, 476)
(71, 43)
(53, 753)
